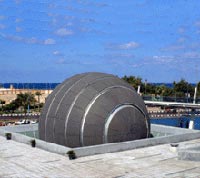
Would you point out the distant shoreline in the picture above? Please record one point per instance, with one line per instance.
(51, 86)
(37, 86)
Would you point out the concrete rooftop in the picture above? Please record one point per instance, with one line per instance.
(19, 160)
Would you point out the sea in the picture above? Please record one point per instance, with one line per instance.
(48, 86)
(182, 121)
(51, 86)
(39, 86)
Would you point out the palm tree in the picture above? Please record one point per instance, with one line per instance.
(38, 94)
(24, 100)
(2, 102)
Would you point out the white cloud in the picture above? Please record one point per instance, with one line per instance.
(138, 65)
(2, 17)
(191, 55)
(61, 61)
(181, 30)
(64, 61)
(181, 40)
(32, 40)
(175, 47)
(57, 53)
(64, 32)
(183, 58)
(52, 6)
(18, 29)
(121, 56)
(163, 59)
(18, 1)
(197, 23)
(129, 45)
(13, 38)
(17, 20)
(2, 26)
(49, 41)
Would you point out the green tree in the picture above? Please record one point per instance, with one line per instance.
(38, 94)
(180, 89)
(160, 89)
(8, 108)
(163, 90)
(2, 102)
(183, 87)
(24, 100)
(168, 92)
(134, 81)
(148, 88)
(198, 89)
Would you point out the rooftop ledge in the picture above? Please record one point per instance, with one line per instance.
(171, 135)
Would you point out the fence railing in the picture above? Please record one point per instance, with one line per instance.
(170, 99)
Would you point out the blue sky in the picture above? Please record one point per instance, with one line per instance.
(48, 40)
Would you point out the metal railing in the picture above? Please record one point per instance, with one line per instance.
(170, 99)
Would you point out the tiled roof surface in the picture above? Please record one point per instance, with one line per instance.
(21, 160)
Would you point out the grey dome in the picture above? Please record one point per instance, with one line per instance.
(93, 108)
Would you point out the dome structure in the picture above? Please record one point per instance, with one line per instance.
(93, 108)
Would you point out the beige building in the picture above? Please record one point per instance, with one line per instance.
(8, 95)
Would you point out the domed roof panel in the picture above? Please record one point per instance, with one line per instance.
(87, 109)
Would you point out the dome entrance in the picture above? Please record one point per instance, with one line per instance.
(124, 124)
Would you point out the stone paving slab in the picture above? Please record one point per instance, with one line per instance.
(19, 160)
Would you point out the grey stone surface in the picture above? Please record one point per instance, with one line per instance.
(189, 152)
(78, 113)
(20, 128)
(176, 135)
(19, 160)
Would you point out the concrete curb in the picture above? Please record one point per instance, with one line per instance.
(115, 147)
(181, 135)
(51, 147)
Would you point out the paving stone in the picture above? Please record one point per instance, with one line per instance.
(19, 160)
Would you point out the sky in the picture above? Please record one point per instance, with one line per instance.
(49, 41)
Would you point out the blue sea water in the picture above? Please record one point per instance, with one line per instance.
(50, 86)
(177, 122)
(39, 86)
